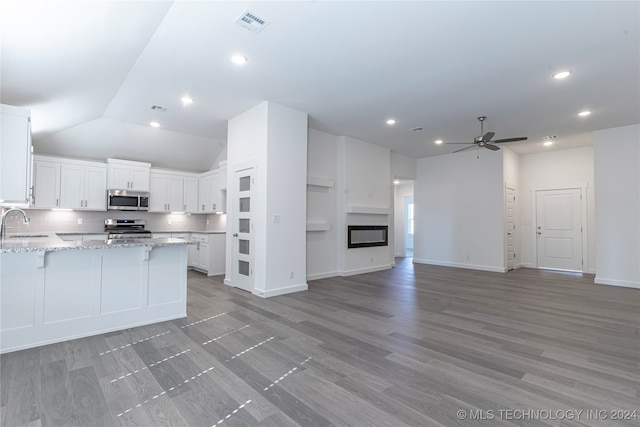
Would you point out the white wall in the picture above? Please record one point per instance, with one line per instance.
(403, 167)
(273, 138)
(554, 170)
(617, 206)
(366, 179)
(459, 210)
(285, 262)
(511, 176)
(401, 191)
(322, 206)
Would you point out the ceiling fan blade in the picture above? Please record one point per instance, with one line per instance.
(487, 136)
(498, 141)
(459, 142)
(465, 148)
(491, 147)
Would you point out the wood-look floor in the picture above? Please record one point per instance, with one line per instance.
(409, 346)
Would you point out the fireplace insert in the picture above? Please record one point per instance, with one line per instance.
(364, 236)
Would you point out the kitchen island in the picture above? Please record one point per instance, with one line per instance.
(53, 290)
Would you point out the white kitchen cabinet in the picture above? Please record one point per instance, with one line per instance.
(69, 184)
(128, 175)
(199, 251)
(165, 192)
(46, 189)
(207, 253)
(209, 193)
(172, 191)
(190, 196)
(15, 156)
(83, 185)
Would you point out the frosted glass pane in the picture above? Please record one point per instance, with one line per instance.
(243, 247)
(245, 183)
(243, 268)
(245, 204)
(243, 225)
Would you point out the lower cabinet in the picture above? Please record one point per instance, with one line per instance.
(207, 253)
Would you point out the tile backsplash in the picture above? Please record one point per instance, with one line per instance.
(49, 221)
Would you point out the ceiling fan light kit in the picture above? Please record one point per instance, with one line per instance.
(485, 139)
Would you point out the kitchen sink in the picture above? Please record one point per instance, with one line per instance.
(27, 236)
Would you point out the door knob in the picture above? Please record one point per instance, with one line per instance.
(235, 234)
(539, 232)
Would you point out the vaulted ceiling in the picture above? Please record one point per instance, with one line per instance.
(92, 70)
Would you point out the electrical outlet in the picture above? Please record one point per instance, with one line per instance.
(207, 222)
(276, 219)
(169, 221)
(79, 221)
(371, 260)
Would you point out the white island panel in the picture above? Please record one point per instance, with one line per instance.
(81, 292)
(124, 278)
(69, 286)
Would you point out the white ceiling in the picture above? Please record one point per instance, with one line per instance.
(91, 70)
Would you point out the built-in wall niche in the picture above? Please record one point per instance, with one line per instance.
(365, 236)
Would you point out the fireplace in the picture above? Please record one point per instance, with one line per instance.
(365, 236)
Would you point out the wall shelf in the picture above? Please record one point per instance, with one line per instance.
(318, 226)
(319, 182)
(367, 210)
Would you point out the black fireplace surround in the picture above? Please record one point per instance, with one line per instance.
(365, 236)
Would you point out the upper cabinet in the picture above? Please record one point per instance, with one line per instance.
(173, 192)
(128, 175)
(46, 179)
(70, 184)
(210, 196)
(83, 185)
(15, 156)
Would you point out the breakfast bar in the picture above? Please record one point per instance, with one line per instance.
(53, 290)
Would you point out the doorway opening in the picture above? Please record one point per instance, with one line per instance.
(409, 226)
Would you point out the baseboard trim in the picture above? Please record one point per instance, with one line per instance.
(457, 265)
(317, 276)
(614, 282)
(365, 270)
(280, 291)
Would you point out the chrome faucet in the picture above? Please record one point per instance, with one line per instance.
(3, 226)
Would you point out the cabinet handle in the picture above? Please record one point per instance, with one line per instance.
(202, 207)
(56, 202)
(184, 208)
(213, 206)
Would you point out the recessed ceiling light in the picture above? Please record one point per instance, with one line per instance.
(391, 121)
(186, 100)
(548, 143)
(584, 113)
(239, 59)
(154, 124)
(396, 181)
(561, 75)
(439, 141)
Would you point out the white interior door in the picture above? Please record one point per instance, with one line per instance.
(510, 229)
(242, 228)
(559, 229)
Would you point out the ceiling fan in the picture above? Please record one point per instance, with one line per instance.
(484, 140)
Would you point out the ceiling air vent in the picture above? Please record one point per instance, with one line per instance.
(158, 108)
(251, 22)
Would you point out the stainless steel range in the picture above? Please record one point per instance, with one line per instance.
(126, 229)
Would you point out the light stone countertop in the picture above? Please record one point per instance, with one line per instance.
(46, 242)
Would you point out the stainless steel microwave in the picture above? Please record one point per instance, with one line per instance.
(125, 200)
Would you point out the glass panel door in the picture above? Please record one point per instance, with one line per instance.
(243, 231)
